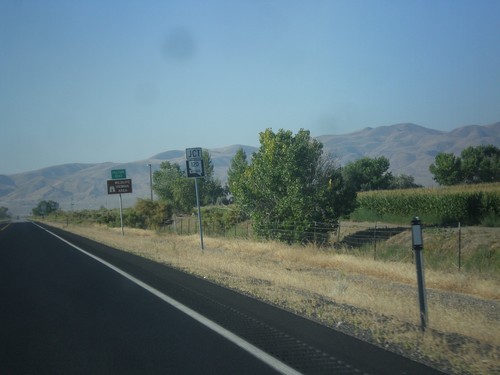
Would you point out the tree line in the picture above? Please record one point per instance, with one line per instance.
(291, 181)
(474, 165)
(4, 213)
(45, 208)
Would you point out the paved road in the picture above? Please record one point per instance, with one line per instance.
(62, 311)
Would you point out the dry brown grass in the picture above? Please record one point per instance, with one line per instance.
(374, 300)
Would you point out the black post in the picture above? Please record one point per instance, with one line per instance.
(418, 247)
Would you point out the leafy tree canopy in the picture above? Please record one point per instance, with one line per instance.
(171, 184)
(403, 181)
(150, 214)
(481, 164)
(211, 190)
(4, 213)
(289, 182)
(474, 165)
(236, 172)
(368, 174)
(45, 208)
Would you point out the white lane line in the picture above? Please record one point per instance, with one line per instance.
(245, 345)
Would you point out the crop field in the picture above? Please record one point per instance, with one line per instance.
(374, 298)
(468, 204)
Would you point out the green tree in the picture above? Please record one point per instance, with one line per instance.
(291, 183)
(403, 181)
(210, 186)
(446, 169)
(4, 213)
(480, 164)
(368, 174)
(165, 179)
(45, 208)
(151, 214)
(474, 165)
(236, 172)
(171, 184)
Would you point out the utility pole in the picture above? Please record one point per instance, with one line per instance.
(151, 181)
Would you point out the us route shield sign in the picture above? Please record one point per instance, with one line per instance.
(195, 168)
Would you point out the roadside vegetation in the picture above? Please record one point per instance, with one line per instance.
(332, 243)
(348, 290)
(468, 204)
(4, 214)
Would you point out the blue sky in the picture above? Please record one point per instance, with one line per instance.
(96, 81)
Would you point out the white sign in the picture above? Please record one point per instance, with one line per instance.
(194, 153)
(195, 168)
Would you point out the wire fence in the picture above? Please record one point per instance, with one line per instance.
(455, 247)
(346, 235)
(342, 233)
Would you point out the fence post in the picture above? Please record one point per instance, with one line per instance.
(375, 242)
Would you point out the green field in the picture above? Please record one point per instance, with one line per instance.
(467, 204)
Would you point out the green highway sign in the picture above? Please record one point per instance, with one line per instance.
(118, 174)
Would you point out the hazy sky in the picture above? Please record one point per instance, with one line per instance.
(95, 81)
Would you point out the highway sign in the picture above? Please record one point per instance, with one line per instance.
(194, 153)
(195, 168)
(118, 174)
(120, 186)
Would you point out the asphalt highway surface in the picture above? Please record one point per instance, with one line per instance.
(73, 306)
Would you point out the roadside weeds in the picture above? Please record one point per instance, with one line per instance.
(375, 301)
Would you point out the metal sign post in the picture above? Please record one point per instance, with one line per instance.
(195, 169)
(121, 215)
(418, 247)
(118, 185)
(199, 212)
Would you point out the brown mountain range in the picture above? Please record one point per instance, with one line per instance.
(410, 148)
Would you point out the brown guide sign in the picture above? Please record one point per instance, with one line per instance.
(120, 186)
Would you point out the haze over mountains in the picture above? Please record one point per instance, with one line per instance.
(410, 148)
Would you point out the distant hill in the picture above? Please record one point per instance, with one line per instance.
(410, 148)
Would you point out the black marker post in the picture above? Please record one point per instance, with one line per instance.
(418, 248)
